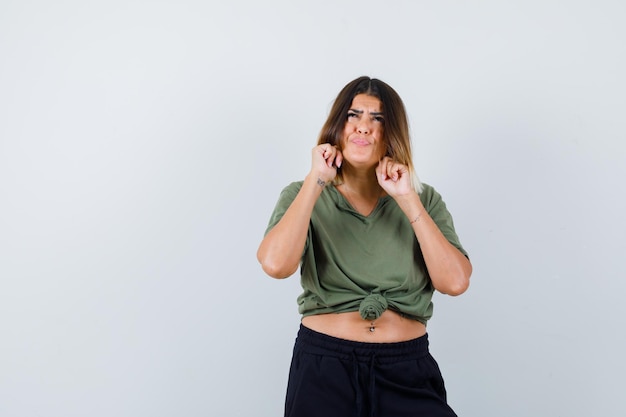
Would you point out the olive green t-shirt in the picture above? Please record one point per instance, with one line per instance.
(362, 263)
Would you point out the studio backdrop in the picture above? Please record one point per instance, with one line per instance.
(143, 145)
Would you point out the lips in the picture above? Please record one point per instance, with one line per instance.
(360, 142)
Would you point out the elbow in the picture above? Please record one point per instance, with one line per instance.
(462, 282)
(458, 284)
(457, 288)
(276, 269)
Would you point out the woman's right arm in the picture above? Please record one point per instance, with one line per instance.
(281, 248)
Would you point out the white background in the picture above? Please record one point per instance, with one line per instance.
(143, 145)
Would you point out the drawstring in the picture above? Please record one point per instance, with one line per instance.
(357, 386)
(372, 385)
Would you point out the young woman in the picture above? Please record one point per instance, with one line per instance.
(373, 244)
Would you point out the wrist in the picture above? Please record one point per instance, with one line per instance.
(321, 177)
(316, 181)
(412, 206)
(409, 200)
(418, 217)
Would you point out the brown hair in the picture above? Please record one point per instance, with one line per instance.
(396, 124)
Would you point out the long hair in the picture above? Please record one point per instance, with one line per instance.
(396, 125)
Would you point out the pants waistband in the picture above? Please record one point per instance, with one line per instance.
(320, 343)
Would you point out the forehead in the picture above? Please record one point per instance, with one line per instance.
(366, 102)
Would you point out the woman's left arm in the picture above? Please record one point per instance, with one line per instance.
(448, 267)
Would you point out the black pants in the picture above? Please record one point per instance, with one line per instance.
(333, 377)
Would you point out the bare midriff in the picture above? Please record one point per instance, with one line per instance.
(390, 327)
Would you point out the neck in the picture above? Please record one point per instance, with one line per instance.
(362, 183)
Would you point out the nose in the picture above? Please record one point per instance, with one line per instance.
(363, 127)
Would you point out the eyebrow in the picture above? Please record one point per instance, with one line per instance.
(374, 113)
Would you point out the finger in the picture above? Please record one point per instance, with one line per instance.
(383, 165)
(339, 159)
(396, 171)
(392, 172)
(379, 171)
(324, 150)
(329, 155)
(386, 168)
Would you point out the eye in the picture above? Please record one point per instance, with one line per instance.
(352, 115)
(379, 119)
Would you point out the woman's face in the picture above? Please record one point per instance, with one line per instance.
(363, 142)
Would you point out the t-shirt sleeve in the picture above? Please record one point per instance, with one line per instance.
(438, 211)
(287, 195)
